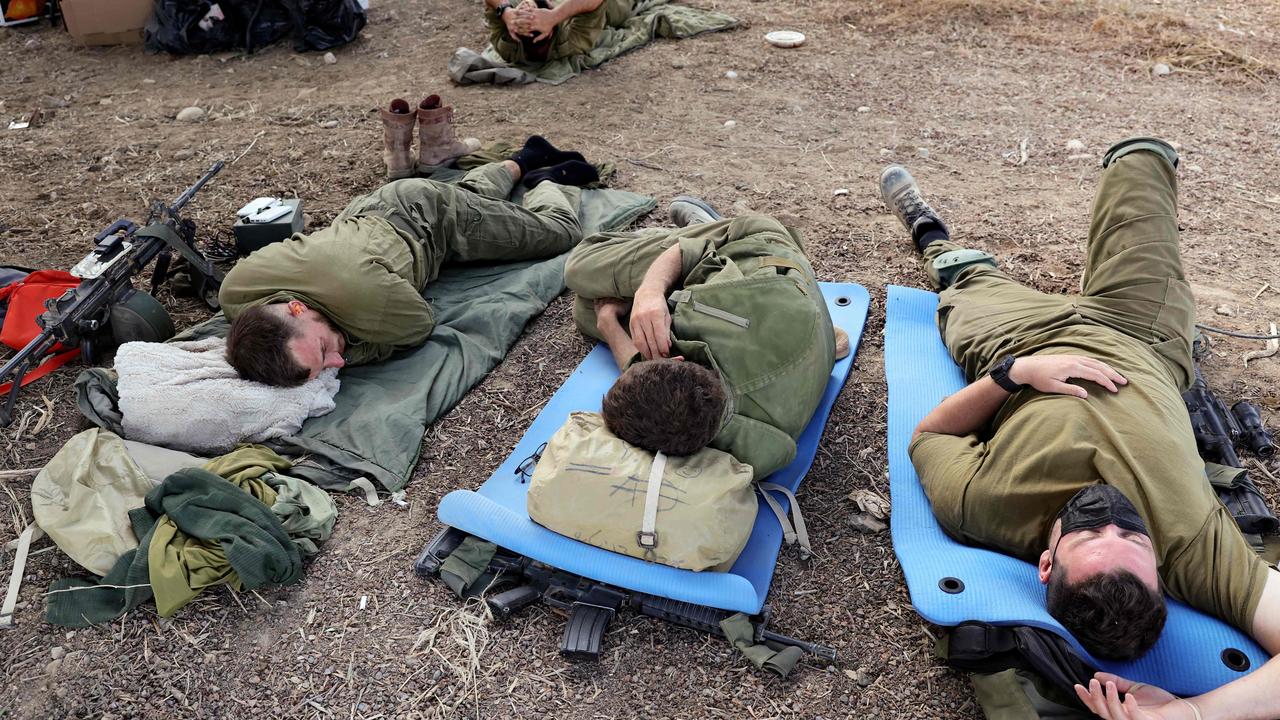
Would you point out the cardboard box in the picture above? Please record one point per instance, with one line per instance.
(106, 22)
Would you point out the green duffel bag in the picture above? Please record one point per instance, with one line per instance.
(694, 512)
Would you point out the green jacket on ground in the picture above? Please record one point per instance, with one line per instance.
(748, 307)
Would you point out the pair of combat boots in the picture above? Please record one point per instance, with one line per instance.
(437, 143)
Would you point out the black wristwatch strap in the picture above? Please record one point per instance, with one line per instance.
(1000, 373)
(502, 8)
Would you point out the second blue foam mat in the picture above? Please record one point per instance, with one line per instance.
(1189, 658)
(497, 510)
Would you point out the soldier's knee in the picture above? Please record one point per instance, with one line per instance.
(1139, 144)
(948, 266)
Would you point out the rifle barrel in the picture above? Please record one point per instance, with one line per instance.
(190, 192)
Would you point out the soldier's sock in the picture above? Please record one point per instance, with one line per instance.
(430, 102)
(573, 172)
(926, 231)
(538, 152)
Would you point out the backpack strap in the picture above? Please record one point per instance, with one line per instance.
(647, 538)
(791, 533)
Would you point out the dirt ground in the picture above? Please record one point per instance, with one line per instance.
(979, 97)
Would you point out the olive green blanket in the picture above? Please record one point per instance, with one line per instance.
(382, 410)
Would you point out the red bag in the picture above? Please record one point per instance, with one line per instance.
(26, 301)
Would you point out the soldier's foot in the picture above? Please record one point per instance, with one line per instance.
(901, 195)
(538, 152)
(687, 210)
(573, 172)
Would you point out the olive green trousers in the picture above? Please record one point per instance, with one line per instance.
(1133, 280)
(474, 220)
(577, 35)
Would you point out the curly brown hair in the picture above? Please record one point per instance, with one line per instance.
(1114, 615)
(668, 406)
(258, 348)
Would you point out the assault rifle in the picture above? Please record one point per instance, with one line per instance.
(84, 315)
(1217, 429)
(591, 605)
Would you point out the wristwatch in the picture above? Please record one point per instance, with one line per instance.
(1000, 373)
(502, 8)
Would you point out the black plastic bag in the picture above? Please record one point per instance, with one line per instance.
(187, 27)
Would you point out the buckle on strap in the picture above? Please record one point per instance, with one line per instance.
(647, 538)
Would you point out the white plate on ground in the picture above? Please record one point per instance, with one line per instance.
(785, 38)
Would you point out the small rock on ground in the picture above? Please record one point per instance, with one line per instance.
(1225, 310)
(184, 154)
(1161, 69)
(190, 114)
(1074, 145)
(330, 59)
(865, 523)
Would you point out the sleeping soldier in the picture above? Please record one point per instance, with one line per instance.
(352, 293)
(532, 32)
(740, 362)
(1072, 447)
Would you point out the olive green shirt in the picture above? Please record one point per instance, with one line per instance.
(363, 274)
(1005, 489)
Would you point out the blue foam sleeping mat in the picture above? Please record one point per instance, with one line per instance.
(1189, 657)
(497, 510)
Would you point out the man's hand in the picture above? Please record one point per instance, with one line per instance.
(651, 323)
(609, 310)
(516, 26)
(1049, 373)
(1142, 701)
(540, 23)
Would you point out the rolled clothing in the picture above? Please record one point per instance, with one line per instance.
(186, 396)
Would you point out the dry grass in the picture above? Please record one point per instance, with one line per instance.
(1151, 36)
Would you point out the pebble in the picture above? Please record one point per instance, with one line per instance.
(184, 154)
(1161, 69)
(864, 108)
(863, 678)
(329, 124)
(190, 114)
(330, 59)
(677, 64)
(866, 524)
(1225, 310)
(148, 81)
(1195, 168)
(1075, 145)
(885, 152)
(57, 653)
(52, 667)
(840, 192)
(731, 75)
(922, 152)
(104, 101)
(742, 207)
(731, 124)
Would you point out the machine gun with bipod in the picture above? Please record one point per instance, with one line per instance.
(105, 309)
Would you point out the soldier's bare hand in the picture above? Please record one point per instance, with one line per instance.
(1050, 373)
(651, 324)
(541, 24)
